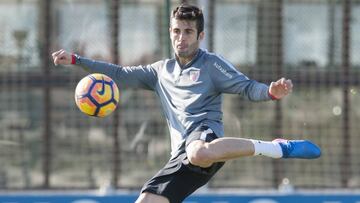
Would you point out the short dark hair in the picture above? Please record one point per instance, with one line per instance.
(189, 12)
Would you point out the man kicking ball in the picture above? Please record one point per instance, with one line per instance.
(190, 88)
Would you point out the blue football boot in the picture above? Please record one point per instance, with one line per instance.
(300, 149)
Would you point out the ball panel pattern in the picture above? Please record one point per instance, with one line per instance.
(97, 95)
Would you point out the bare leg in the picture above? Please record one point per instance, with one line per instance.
(151, 198)
(204, 154)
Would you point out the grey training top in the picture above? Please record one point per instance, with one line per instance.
(190, 95)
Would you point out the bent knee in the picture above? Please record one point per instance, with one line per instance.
(198, 154)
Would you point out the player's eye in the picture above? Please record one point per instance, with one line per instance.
(189, 31)
(176, 31)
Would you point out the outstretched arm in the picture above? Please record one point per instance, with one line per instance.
(144, 77)
(227, 79)
(280, 88)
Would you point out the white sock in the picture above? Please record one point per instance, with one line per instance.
(266, 148)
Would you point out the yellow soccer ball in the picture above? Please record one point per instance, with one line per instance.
(97, 95)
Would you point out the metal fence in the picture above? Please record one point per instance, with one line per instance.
(47, 143)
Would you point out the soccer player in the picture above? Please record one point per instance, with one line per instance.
(190, 88)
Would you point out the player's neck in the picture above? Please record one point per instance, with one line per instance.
(183, 61)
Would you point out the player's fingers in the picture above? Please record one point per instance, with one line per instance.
(56, 61)
(60, 55)
(56, 53)
(63, 55)
(282, 81)
(289, 84)
(278, 82)
(60, 59)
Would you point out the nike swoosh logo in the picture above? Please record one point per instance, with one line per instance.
(102, 91)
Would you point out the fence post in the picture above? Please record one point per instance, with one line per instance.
(114, 32)
(45, 37)
(270, 59)
(345, 165)
(166, 25)
(211, 23)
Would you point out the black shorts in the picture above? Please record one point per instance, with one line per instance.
(179, 178)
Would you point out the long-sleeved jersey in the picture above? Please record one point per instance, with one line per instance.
(190, 95)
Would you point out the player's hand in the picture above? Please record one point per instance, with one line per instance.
(280, 88)
(62, 57)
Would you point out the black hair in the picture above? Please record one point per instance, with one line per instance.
(189, 12)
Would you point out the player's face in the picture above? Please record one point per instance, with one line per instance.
(184, 39)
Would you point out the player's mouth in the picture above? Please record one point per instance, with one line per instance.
(181, 46)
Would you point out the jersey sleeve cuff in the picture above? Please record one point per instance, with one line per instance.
(75, 59)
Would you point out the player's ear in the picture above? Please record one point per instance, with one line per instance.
(201, 35)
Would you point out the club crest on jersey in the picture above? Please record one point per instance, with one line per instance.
(194, 75)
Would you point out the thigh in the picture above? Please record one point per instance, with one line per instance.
(203, 134)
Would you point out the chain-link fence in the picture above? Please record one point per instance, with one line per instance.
(47, 143)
